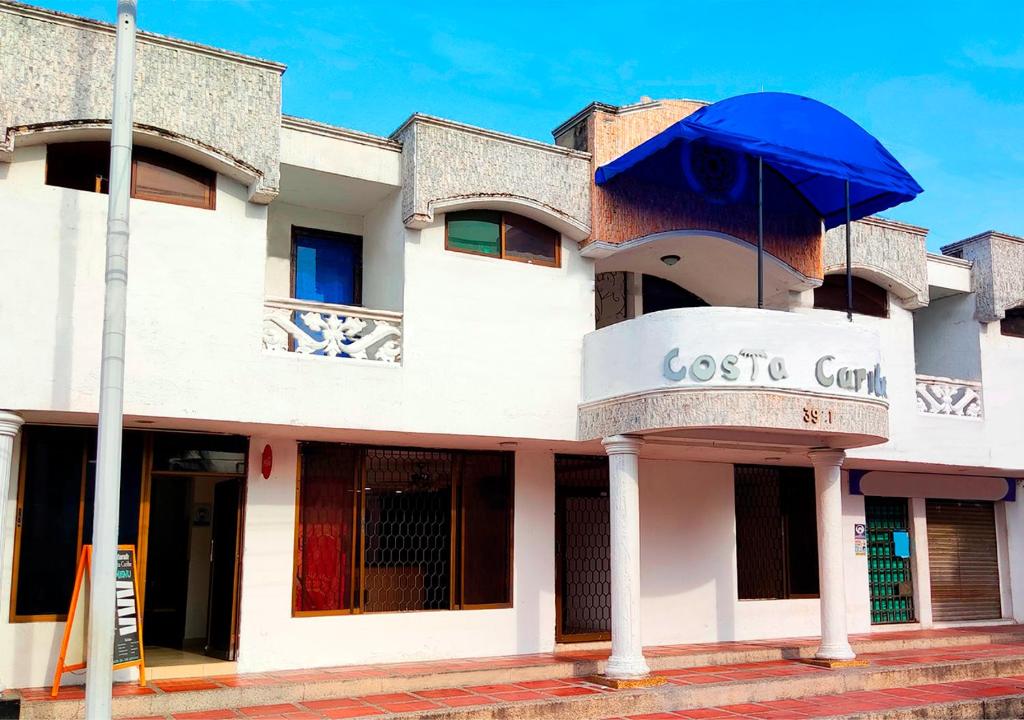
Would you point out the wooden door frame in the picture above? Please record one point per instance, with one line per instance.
(236, 598)
(142, 545)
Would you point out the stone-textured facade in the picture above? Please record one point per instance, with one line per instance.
(888, 253)
(55, 71)
(857, 421)
(998, 273)
(445, 164)
(629, 210)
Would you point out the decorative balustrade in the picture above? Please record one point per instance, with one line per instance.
(946, 396)
(312, 328)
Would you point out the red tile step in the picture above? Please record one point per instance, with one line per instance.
(881, 703)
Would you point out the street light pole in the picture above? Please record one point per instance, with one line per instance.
(99, 657)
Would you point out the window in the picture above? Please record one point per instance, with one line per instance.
(776, 533)
(661, 294)
(395, 530)
(502, 235)
(868, 298)
(156, 175)
(56, 488)
(55, 499)
(327, 267)
(1012, 323)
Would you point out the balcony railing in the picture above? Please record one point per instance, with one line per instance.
(946, 396)
(311, 328)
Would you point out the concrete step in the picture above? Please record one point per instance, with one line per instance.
(522, 697)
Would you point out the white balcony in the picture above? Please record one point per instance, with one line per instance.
(336, 331)
(737, 374)
(949, 397)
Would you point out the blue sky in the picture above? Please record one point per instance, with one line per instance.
(941, 84)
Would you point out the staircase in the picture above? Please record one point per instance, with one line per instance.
(961, 673)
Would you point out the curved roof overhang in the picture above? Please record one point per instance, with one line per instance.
(819, 150)
(146, 136)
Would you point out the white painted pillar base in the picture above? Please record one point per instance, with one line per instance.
(835, 642)
(627, 659)
(9, 426)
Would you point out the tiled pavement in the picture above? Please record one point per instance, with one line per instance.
(878, 701)
(537, 690)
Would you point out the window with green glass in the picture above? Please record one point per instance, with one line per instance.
(476, 231)
(502, 235)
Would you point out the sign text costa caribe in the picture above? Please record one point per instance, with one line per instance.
(757, 366)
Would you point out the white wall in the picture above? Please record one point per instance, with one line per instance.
(688, 563)
(271, 638)
(946, 338)
(502, 338)
(281, 217)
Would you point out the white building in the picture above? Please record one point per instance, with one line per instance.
(373, 385)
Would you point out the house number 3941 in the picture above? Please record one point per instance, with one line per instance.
(814, 416)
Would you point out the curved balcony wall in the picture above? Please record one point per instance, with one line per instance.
(735, 374)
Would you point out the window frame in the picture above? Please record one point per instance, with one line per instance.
(502, 254)
(355, 241)
(786, 541)
(857, 280)
(142, 538)
(357, 567)
(181, 166)
(1002, 322)
(165, 159)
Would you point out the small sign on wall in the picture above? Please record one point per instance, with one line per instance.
(860, 539)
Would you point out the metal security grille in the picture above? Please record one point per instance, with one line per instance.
(407, 530)
(760, 533)
(892, 590)
(583, 548)
(963, 560)
(776, 533)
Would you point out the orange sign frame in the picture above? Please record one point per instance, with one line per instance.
(84, 566)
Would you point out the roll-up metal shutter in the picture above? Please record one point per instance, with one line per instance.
(963, 560)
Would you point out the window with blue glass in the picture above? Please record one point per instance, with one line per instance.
(326, 268)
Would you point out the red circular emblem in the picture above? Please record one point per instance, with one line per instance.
(268, 461)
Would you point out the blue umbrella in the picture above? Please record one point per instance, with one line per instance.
(842, 170)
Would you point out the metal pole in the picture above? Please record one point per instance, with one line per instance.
(849, 271)
(99, 658)
(760, 232)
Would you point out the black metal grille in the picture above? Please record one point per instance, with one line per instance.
(407, 530)
(583, 547)
(892, 591)
(776, 533)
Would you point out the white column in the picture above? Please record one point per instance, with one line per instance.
(920, 569)
(627, 660)
(9, 425)
(835, 644)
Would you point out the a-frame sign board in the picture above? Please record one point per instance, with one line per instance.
(127, 625)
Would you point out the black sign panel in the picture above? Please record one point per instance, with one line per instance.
(126, 624)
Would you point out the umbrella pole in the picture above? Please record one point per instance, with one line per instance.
(849, 271)
(760, 232)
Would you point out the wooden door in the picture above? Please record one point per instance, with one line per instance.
(225, 554)
(167, 561)
(963, 560)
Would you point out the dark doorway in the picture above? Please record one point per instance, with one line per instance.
(221, 634)
(166, 591)
(582, 549)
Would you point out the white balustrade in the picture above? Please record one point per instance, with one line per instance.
(312, 328)
(946, 396)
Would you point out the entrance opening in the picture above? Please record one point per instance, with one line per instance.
(190, 598)
(892, 589)
(582, 549)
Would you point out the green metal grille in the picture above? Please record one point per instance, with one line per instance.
(892, 590)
